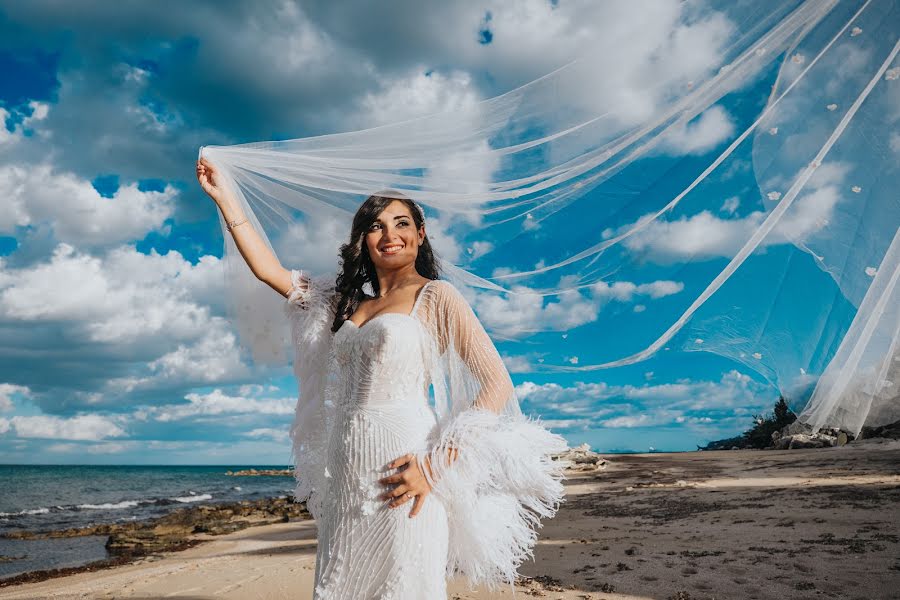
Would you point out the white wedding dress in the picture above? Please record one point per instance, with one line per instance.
(365, 401)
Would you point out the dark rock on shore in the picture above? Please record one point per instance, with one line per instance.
(101, 529)
(174, 530)
(891, 432)
(37, 576)
(176, 527)
(800, 435)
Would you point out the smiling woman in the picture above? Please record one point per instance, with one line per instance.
(366, 437)
(388, 255)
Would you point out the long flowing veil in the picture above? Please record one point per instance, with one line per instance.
(737, 182)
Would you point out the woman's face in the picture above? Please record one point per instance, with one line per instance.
(392, 239)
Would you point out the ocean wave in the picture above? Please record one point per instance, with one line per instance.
(111, 505)
(121, 505)
(194, 498)
(31, 511)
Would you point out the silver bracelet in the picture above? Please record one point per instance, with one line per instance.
(232, 224)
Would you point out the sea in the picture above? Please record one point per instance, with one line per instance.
(45, 498)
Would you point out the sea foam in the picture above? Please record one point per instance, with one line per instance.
(111, 505)
(196, 498)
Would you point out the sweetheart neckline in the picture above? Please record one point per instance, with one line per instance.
(410, 314)
(378, 316)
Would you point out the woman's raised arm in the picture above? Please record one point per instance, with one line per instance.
(264, 264)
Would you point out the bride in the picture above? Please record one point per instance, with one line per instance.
(404, 492)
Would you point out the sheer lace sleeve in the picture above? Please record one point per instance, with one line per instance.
(308, 307)
(490, 465)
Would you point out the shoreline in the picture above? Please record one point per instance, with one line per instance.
(172, 532)
(819, 523)
(109, 563)
(178, 529)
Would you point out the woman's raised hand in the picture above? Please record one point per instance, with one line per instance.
(209, 180)
(255, 251)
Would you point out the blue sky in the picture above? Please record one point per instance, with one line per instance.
(116, 346)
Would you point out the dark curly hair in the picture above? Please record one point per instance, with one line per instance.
(357, 267)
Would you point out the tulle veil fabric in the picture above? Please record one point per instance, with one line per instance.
(589, 184)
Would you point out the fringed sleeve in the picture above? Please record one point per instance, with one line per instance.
(490, 465)
(308, 308)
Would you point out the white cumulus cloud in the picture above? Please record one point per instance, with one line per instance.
(219, 403)
(83, 427)
(710, 129)
(523, 311)
(597, 404)
(148, 321)
(77, 213)
(7, 391)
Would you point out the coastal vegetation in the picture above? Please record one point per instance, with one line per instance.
(760, 435)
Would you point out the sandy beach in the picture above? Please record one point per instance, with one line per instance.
(796, 524)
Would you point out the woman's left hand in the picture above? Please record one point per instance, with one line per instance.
(410, 482)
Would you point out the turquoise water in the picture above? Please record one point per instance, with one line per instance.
(49, 497)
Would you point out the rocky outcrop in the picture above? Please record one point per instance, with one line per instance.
(890, 432)
(176, 529)
(799, 435)
(581, 459)
(258, 472)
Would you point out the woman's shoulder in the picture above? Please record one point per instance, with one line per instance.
(442, 287)
(309, 289)
(444, 294)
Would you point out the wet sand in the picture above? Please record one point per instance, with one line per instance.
(797, 524)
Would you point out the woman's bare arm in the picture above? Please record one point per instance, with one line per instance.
(264, 264)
